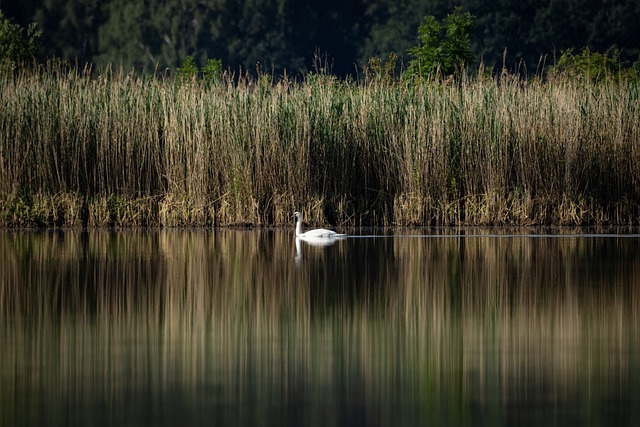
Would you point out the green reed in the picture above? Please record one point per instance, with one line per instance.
(111, 148)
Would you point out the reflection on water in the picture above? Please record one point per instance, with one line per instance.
(230, 327)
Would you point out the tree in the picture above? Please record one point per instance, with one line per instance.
(442, 47)
(286, 34)
(71, 27)
(263, 35)
(390, 26)
(504, 24)
(16, 46)
(150, 34)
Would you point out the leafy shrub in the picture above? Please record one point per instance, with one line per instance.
(189, 71)
(593, 66)
(443, 48)
(381, 72)
(212, 70)
(15, 45)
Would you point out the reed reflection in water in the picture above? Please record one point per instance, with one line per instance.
(242, 328)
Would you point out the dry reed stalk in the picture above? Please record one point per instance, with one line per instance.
(248, 152)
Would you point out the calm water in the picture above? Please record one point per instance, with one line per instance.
(203, 327)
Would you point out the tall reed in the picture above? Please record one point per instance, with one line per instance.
(110, 148)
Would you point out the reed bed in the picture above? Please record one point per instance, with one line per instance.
(80, 148)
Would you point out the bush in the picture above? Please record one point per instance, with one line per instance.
(212, 70)
(381, 72)
(593, 66)
(443, 48)
(189, 71)
(16, 46)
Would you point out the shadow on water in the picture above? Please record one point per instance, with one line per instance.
(232, 327)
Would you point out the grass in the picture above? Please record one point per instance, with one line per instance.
(80, 148)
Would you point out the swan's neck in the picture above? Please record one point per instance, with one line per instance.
(299, 226)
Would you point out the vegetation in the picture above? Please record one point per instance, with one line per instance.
(80, 147)
(188, 71)
(207, 147)
(593, 66)
(443, 48)
(151, 35)
(16, 47)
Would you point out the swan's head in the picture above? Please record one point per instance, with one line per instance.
(297, 215)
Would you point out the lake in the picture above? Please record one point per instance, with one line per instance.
(247, 328)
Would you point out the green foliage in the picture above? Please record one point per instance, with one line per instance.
(15, 45)
(212, 70)
(382, 72)
(443, 48)
(72, 27)
(152, 35)
(188, 71)
(426, 55)
(593, 66)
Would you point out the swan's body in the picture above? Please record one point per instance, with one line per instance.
(318, 233)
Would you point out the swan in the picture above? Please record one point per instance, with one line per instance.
(313, 234)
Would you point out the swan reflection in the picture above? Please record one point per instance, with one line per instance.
(314, 241)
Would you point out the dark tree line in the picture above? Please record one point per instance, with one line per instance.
(274, 35)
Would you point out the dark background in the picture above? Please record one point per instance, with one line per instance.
(274, 35)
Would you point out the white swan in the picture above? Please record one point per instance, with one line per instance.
(322, 233)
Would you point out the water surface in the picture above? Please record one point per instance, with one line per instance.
(244, 327)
